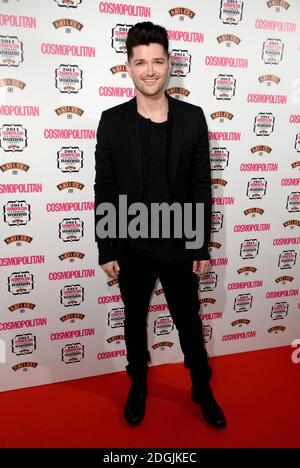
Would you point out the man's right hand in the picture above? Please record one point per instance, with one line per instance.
(111, 268)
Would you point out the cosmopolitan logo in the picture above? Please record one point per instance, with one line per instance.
(185, 36)
(72, 353)
(26, 260)
(259, 167)
(14, 166)
(182, 12)
(18, 239)
(67, 23)
(232, 62)
(223, 261)
(223, 200)
(69, 133)
(11, 51)
(16, 325)
(180, 62)
(111, 354)
(283, 293)
(21, 188)
(25, 366)
(267, 98)
(119, 36)
(13, 137)
(224, 87)
(158, 307)
(275, 25)
(68, 78)
(239, 336)
(272, 51)
(12, 83)
(269, 79)
(48, 48)
(231, 11)
(68, 3)
(109, 299)
(21, 307)
(23, 344)
(222, 115)
(228, 38)
(251, 227)
(16, 213)
(70, 206)
(65, 335)
(245, 285)
(27, 111)
(211, 316)
(63, 275)
(290, 181)
(69, 110)
(224, 136)
(124, 9)
(18, 21)
(116, 91)
(286, 241)
(295, 118)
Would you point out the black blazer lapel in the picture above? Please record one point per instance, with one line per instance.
(175, 141)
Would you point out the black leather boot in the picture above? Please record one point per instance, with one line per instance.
(134, 410)
(211, 411)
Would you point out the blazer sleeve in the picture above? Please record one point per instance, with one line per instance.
(202, 185)
(105, 186)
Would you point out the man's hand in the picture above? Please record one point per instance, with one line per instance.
(200, 266)
(111, 268)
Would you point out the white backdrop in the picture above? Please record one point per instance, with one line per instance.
(61, 64)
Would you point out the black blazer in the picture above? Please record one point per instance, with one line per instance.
(119, 164)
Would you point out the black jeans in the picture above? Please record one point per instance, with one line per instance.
(139, 271)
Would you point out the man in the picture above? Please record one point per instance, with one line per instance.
(154, 149)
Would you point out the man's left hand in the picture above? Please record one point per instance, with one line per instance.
(200, 266)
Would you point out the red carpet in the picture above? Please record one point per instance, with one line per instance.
(259, 392)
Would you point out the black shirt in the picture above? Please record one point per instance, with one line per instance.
(155, 139)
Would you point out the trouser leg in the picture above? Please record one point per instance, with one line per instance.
(180, 286)
(137, 278)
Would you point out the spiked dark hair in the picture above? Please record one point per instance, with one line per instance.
(145, 33)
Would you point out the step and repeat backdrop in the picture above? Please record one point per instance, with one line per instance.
(62, 62)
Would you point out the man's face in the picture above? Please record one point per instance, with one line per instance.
(149, 68)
